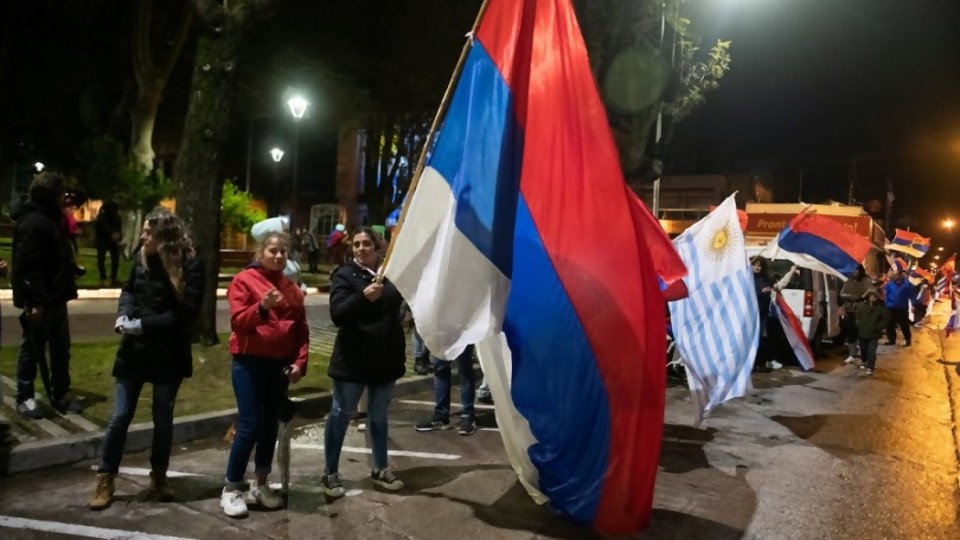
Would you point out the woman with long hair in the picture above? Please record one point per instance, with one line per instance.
(368, 354)
(157, 307)
(270, 344)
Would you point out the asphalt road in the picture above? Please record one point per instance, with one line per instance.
(831, 455)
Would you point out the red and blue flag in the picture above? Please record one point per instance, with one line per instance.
(794, 331)
(820, 243)
(571, 333)
(910, 243)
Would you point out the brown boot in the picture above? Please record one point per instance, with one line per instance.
(103, 495)
(161, 486)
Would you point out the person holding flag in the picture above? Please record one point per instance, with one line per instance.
(852, 295)
(897, 293)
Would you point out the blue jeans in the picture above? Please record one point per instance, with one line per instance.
(346, 397)
(419, 349)
(52, 330)
(442, 381)
(124, 406)
(260, 387)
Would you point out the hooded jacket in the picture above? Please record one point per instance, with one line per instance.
(280, 333)
(43, 264)
(370, 347)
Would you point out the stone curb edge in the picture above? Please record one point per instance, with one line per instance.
(83, 446)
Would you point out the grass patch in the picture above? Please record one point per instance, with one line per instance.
(87, 259)
(210, 389)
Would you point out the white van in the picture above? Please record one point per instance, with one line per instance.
(813, 296)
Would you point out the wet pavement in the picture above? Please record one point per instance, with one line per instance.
(835, 455)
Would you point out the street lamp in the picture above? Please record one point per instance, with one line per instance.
(940, 248)
(936, 257)
(948, 224)
(277, 155)
(298, 108)
(39, 166)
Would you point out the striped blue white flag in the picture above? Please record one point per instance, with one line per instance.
(717, 327)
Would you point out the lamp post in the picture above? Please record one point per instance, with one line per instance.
(298, 108)
(277, 155)
(38, 166)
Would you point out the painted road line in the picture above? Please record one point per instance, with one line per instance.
(483, 406)
(137, 471)
(80, 530)
(395, 453)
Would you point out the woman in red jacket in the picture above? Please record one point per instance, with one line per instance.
(269, 343)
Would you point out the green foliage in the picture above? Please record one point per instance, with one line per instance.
(107, 172)
(236, 211)
(696, 77)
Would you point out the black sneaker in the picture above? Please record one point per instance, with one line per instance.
(421, 366)
(29, 409)
(434, 424)
(385, 479)
(332, 485)
(468, 426)
(67, 405)
(486, 400)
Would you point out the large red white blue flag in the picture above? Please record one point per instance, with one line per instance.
(523, 238)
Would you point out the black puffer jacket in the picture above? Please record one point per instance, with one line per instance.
(44, 270)
(162, 354)
(370, 346)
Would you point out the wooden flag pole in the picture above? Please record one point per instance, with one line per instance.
(441, 111)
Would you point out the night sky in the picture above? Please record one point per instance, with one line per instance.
(814, 82)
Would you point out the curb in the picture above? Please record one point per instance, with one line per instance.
(83, 446)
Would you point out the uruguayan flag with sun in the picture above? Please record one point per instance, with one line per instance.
(717, 327)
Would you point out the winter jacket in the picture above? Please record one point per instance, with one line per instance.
(871, 320)
(897, 295)
(43, 264)
(370, 347)
(280, 333)
(761, 282)
(108, 230)
(162, 354)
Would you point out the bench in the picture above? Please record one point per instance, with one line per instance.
(235, 258)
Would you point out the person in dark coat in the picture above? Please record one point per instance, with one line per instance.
(107, 235)
(763, 283)
(43, 281)
(368, 354)
(157, 308)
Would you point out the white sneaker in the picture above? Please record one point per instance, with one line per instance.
(263, 495)
(869, 371)
(232, 503)
(850, 360)
(362, 426)
(773, 364)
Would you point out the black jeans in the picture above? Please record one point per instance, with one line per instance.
(313, 257)
(102, 250)
(53, 330)
(898, 317)
(919, 312)
(124, 407)
(868, 352)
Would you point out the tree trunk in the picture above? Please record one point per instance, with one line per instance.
(143, 116)
(197, 182)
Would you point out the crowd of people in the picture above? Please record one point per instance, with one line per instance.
(269, 342)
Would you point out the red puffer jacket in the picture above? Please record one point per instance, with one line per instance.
(280, 333)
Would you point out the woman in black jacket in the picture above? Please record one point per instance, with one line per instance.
(369, 354)
(158, 305)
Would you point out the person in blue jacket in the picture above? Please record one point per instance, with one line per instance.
(896, 294)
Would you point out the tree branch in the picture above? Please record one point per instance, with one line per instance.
(186, 21)
(142, 36)
(210, 13)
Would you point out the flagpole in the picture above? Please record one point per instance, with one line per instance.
(441, 111)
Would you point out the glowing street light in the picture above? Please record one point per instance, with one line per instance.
(298, 107)
(276, 154)
(940, 248)
(38, 166)
(949, 224)
(936, 257)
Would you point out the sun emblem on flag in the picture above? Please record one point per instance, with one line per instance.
(721, 241)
